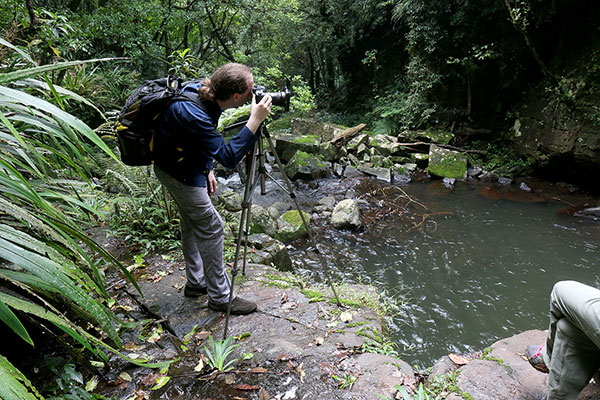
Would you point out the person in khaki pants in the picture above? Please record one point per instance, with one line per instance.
(571, 354)
(185, 145)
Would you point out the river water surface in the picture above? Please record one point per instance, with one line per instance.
(479, 268)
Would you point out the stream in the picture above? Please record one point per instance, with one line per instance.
(470, 264)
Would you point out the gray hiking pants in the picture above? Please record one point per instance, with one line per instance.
(573, 344)
(202, 236)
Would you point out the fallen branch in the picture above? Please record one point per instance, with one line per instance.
(346, 135)
(446, 146)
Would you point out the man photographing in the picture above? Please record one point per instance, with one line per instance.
(185, 145)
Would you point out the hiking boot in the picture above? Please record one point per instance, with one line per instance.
(194, 292)
(238, 306)
(534, 356)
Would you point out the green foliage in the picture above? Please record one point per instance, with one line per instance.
(218, 352)
(346, 381)
(139, 215)
(47, 273)
(420, 394)
(68, 385)
(378, 343)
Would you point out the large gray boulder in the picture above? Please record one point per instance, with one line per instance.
(346, 215)
(307, 167)
(447, 163)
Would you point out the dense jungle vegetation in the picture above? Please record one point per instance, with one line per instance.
(66, 68)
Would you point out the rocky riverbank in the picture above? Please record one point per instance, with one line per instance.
(300, 344)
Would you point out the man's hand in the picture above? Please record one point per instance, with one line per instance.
(259, 112)
(211, 184)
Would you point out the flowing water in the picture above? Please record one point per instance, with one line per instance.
(474, 263)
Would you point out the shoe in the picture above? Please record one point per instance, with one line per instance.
(238, 306)
(194, 292)
(534, 356)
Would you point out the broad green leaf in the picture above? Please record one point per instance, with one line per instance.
(15, 48)
(35, 71)
(16, 96)
(10, 319)
(14, 385)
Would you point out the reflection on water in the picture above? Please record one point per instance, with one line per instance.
(480, 269)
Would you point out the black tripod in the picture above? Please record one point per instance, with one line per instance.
(257, 157)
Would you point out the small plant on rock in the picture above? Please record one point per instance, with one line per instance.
(218, 352)
(346, 381)
(420, 394)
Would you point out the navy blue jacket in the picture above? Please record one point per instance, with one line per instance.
(186, 141)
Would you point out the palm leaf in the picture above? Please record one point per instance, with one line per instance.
(18, 97)
(14, 385)
(10, 319)
(15, 48)
(46, 269)
(35, 71)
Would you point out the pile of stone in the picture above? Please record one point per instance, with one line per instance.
(315, 150)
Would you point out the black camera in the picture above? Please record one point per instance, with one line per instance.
(279, 98)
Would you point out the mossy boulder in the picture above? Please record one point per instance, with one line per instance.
(260, 222)
(441, 137)
(290, 226)
(447, 163)
(231, 200)
(306, 166)
(288, 144)
(307, 127)
(384, 144)
(357, 141)
(331, 152)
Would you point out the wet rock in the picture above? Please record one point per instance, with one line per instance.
(504, 374)
(357, 141)
(384, 174)
(449, 182)
(325, 204)
(421, 159)
(385, 145)
(260, 240)
(401, 178)
(280, 258)
(231, 200)
(346, 215)
(447, 163)
(290, 226)
(441, 367)
(331, 152)
(505, 181)
(488, 176)
(593, 212)
(260, 222)
(382, 373)
(305, 166)
(523, 186)
(473, 172)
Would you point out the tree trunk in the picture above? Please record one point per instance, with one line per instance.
(32, 16)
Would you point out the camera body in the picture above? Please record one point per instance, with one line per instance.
(279, 98)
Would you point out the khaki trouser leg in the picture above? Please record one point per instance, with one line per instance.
(573, 343)
(202, 232)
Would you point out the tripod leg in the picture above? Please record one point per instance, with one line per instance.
(304, 221)
(244, 223)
